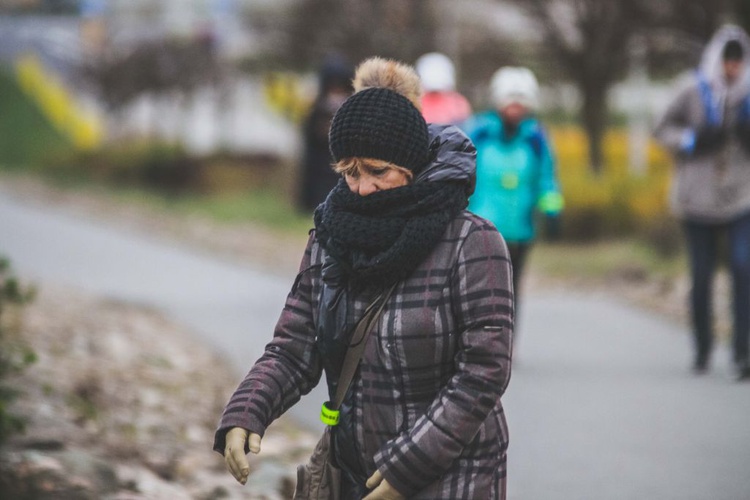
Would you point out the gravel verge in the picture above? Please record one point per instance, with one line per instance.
(123, 402)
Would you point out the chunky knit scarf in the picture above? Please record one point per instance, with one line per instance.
(381, 238)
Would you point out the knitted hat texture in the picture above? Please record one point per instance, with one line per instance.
(381, 124)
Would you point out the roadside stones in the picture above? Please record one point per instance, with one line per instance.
(122, 405)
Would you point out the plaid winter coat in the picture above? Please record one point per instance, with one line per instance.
(427, 408)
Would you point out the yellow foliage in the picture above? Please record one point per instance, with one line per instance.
(617, 199)
(284, 95)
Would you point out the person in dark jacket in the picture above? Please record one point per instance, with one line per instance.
(316, 177)
(707, 127)
(423, 417)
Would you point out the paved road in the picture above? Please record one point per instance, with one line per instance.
(233, 307)
(601, 405)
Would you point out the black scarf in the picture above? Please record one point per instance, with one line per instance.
(381, 238)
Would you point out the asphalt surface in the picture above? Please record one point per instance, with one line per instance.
(601, 404)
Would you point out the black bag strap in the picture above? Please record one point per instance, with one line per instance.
(357, 345)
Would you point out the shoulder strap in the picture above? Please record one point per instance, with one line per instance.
(744, 116)
(707, 98)
(536, 141)
(357, 345)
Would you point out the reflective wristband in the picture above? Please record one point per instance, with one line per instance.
(551, 202)
(328, 416)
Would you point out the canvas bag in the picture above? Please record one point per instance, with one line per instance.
(318, 479)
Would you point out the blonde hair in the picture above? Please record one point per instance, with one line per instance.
(355, 166)
(401, 78)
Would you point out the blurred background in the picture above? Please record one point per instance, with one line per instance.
(201, 97)
(188, 115)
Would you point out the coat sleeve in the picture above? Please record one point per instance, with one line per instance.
(674, 130)
(549, 199)
(483, 308)
(289, 368)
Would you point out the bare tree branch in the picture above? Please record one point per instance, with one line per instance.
(590, 39)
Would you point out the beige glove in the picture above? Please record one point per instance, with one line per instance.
(234, 452)
(383, 489)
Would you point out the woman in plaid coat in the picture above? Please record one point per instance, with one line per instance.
(422, 418)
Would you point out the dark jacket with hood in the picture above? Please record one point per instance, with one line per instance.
(424, 406)
(316, 175)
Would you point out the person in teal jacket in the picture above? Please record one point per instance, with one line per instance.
(516, 176)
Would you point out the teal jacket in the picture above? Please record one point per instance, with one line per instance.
(515, 176)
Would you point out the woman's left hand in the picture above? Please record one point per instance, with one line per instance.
(383, 489)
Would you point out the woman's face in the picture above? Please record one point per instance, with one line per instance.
(514, 112)
(367, 179)
(732, 69)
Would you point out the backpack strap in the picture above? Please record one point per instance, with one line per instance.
(713, 116)
(744, 115)
(536, 141)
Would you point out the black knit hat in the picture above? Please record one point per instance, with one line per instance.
(381, 124)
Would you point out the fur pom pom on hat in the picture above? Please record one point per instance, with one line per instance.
(389, 74)
(382, 124)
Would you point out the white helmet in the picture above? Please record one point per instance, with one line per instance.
(514, 84)
(436, 72)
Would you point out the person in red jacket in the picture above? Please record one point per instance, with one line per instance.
(441, 103)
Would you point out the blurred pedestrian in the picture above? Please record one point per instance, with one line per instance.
(441, 103)
(422, 417)
(316, 177)
(707, 127)
(516, 175)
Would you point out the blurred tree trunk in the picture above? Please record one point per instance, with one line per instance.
(594, 116)
(589, 41)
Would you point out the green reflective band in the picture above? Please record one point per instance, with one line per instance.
(327, 416)
(551, 202)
